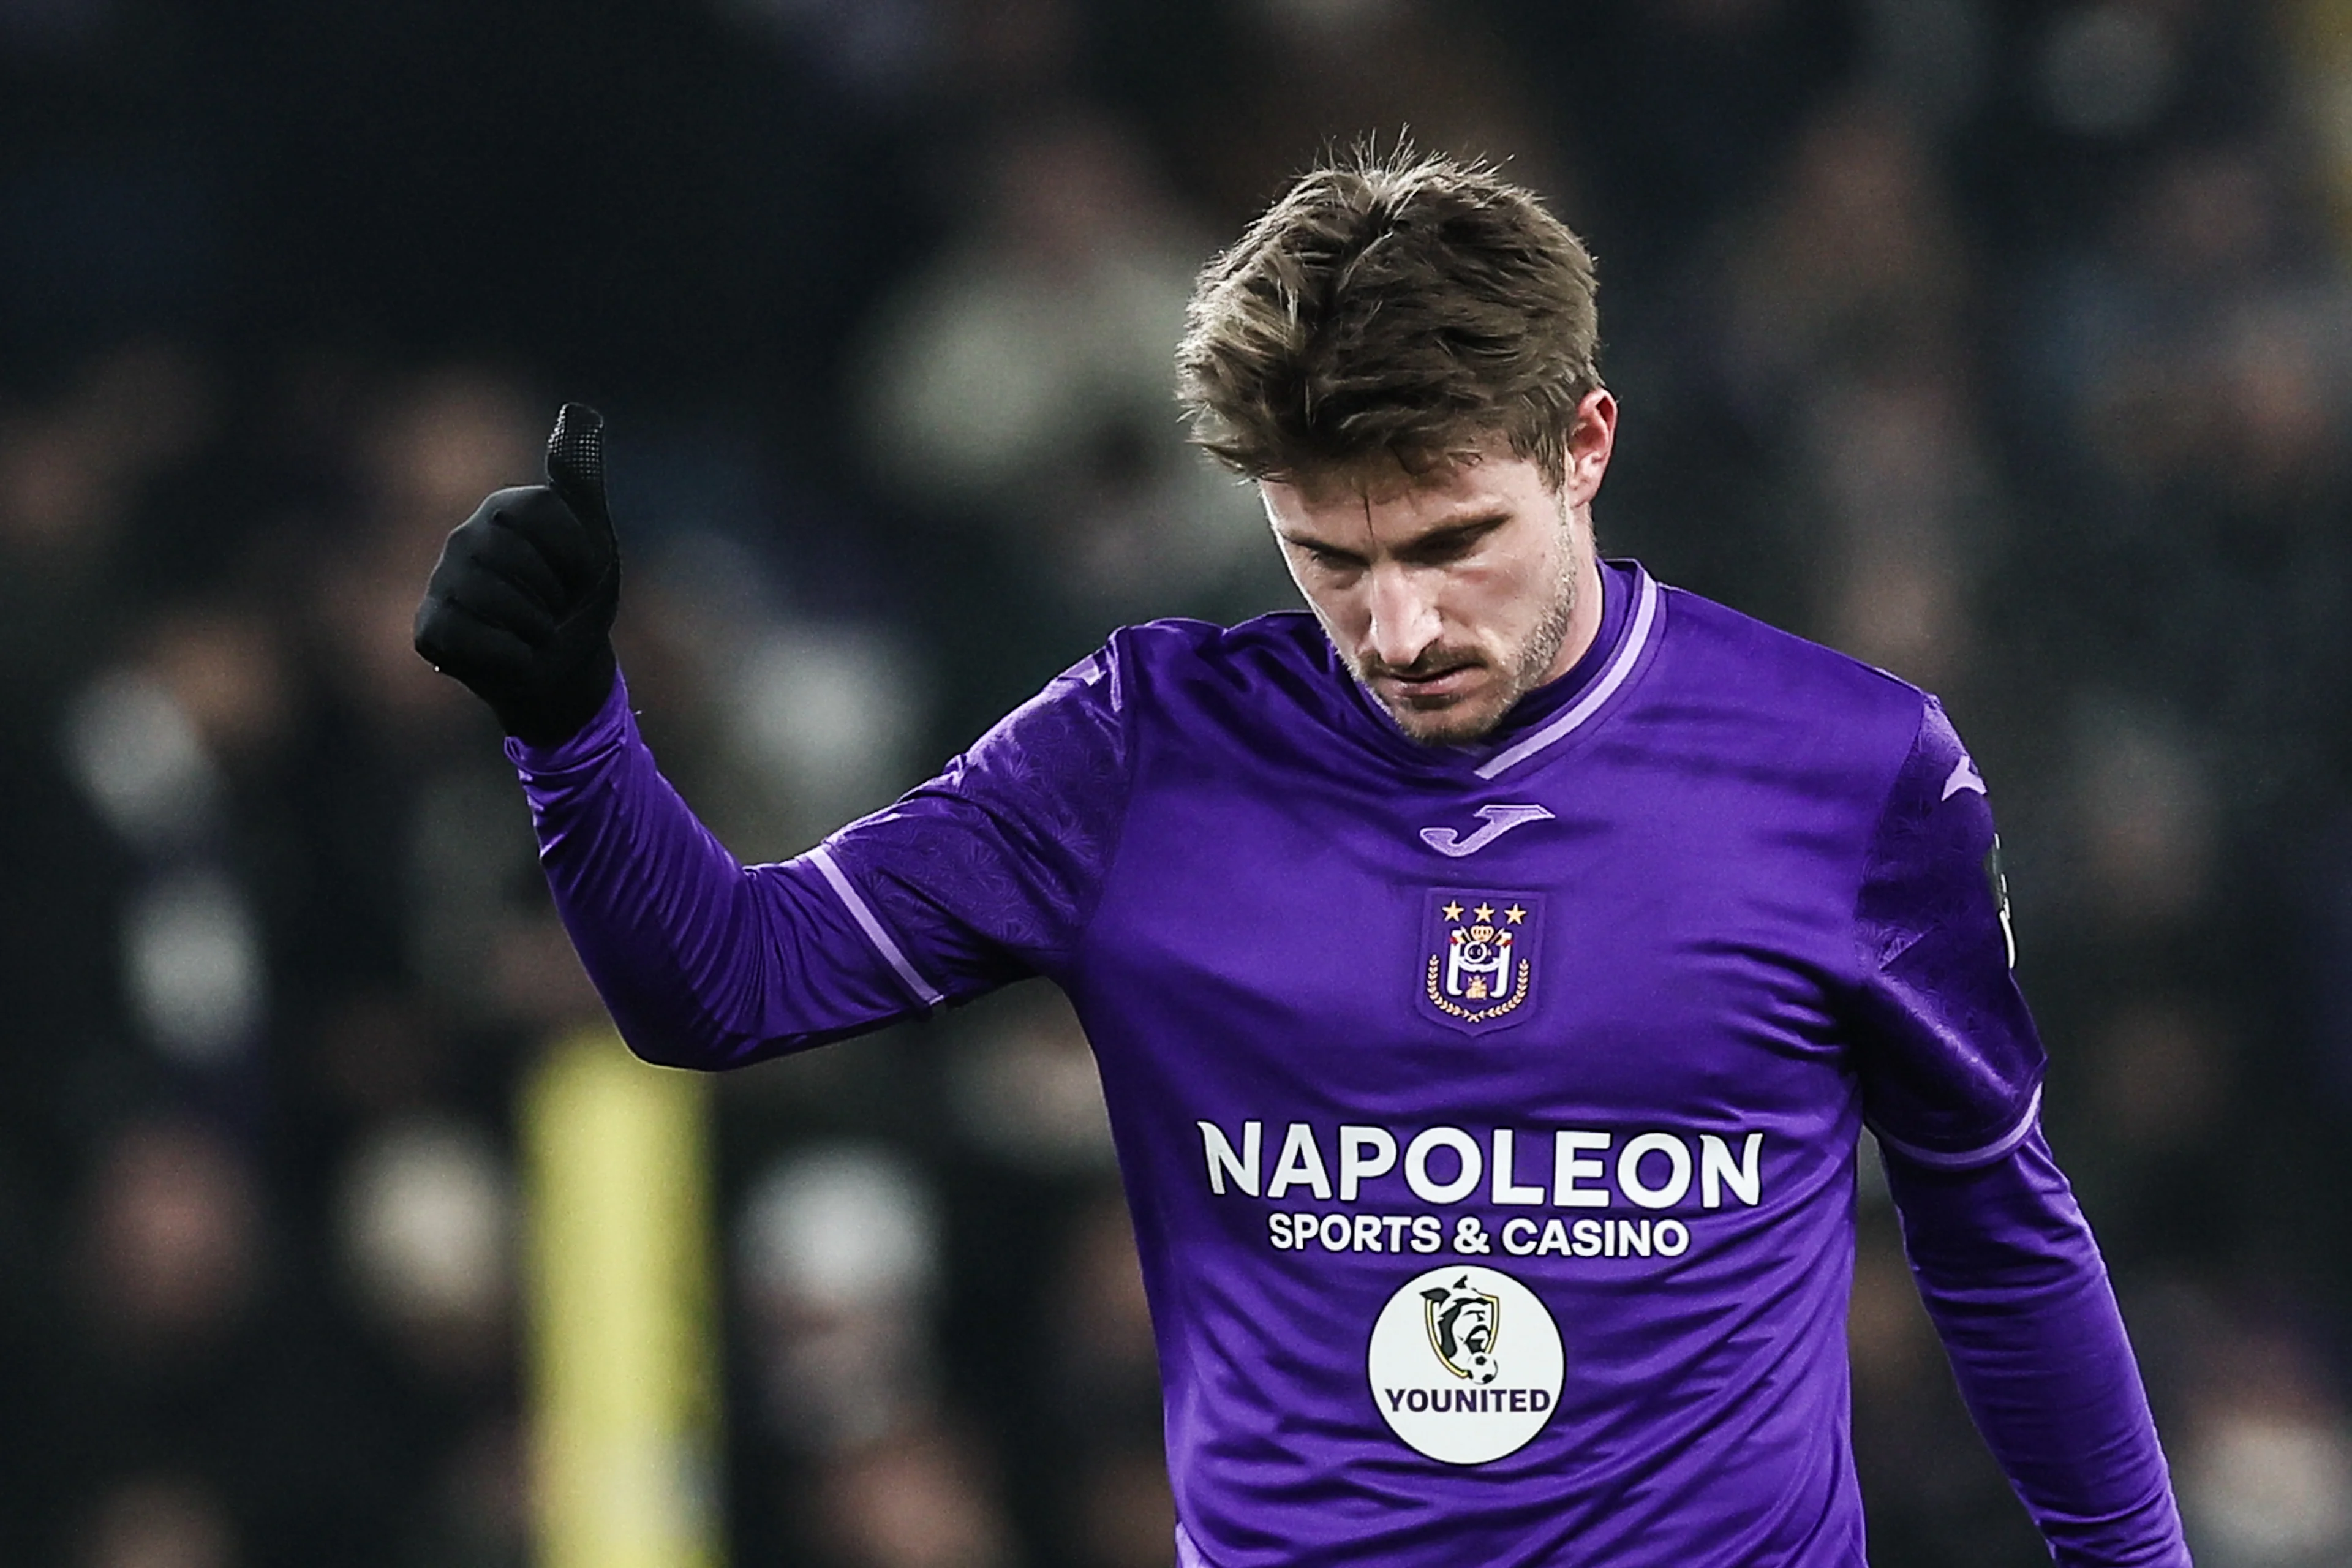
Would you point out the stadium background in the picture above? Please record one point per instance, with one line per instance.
(2005, 344)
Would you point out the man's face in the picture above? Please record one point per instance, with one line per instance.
(1452, 593)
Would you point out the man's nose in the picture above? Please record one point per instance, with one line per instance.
(1404, 616)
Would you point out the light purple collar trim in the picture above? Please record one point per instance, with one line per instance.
(1645, 617)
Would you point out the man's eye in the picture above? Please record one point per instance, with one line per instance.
(1452, 547)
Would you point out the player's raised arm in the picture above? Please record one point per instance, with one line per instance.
(976, 878)
(1951, 1070)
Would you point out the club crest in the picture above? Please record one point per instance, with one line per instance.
(1479, 953)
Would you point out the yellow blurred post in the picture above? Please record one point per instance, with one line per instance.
(2319, 51)
(624, 1366)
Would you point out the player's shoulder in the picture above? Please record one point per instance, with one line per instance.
(1186, 662)
(1183, 645)
(1085, 729)
(1811, 701)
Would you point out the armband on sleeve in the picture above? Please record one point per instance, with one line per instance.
(1949, 1060)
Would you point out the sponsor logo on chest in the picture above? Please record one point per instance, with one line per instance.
(1445, 1377)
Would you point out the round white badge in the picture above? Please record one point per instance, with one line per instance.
(1466, 1364)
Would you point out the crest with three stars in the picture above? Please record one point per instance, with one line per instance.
(1478, 957)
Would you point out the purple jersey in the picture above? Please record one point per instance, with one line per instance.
(1489, 1114)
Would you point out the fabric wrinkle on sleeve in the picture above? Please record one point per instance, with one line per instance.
(2012, 1279)
(982, 876)
(1952, 1068)
(989, 872)
(701, 960)
(1948, 1057)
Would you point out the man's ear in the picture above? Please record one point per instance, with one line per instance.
(1591, 438)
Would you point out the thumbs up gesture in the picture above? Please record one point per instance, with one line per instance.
(521, 607)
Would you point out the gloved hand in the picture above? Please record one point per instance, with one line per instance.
(521, 607)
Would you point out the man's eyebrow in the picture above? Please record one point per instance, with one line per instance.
(1486, 519)
(1453, 528)
(1450, 532)
(1308, 542)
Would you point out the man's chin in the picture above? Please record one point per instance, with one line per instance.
(1455, 723)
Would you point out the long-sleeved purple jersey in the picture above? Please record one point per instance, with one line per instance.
(1489, 1114)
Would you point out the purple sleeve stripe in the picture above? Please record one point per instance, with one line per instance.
(1971, 1157)
(925, 993)
(1590, 703)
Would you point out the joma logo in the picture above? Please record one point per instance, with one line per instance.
(1498, 820)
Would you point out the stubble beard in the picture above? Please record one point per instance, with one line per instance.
(1459, 723)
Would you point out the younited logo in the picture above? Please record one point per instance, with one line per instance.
(1466, 1364)
(1464, 1324)
(1499, 820)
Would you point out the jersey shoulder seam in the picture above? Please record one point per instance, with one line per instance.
(1125, 693)
(1866, 959)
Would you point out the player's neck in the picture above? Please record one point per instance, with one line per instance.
(1598, 622)
(1585, 614)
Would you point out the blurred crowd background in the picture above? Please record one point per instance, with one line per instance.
(2005, 343)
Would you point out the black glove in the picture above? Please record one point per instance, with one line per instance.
(521, 607)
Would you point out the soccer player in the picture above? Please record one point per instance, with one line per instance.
(1491, 970)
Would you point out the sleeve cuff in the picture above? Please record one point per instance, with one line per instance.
(607, 731)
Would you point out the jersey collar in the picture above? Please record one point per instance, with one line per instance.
(1631, 608)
